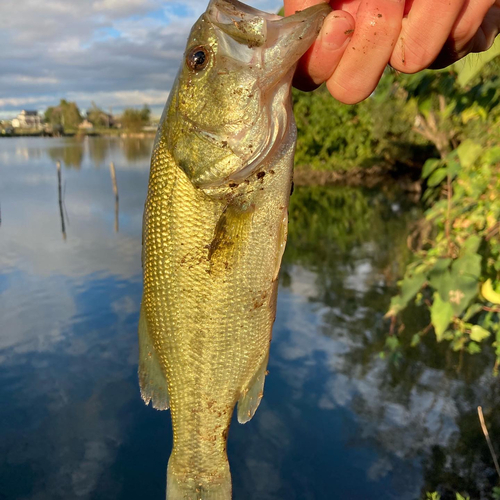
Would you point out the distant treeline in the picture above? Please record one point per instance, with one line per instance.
(68, 117)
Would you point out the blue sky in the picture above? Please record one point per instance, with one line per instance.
(117, 53)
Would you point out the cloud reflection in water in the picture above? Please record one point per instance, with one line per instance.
(336, 421)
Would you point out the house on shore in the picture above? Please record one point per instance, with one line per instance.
(86, 125)
(27, 119)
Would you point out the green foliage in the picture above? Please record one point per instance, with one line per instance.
(436, 496)
(455, 273)
(467, 71)
(335, 136)
(135, 119)
(66, 115)
(98, 117)
(433, 496)
(331, 134)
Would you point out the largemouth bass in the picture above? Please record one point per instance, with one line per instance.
(215, 228)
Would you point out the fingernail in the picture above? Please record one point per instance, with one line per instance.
(336, 31)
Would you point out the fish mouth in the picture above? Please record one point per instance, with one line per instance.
(282, 40)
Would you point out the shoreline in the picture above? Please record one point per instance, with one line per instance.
(138, 135)
(369, 177)
(383, 174)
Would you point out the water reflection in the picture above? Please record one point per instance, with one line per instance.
(136, 148)
(336, 421)
(99, 149)
(412, 408)
(75, 152)
(70, 153)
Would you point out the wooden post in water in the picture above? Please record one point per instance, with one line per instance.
(61, 211)
(115, 190)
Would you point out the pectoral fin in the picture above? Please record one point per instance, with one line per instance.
(151, 379)
(252, 395)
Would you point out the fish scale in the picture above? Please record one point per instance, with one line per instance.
(214, 234)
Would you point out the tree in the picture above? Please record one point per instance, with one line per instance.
(66, 115)
(134, 119)
(98, 117)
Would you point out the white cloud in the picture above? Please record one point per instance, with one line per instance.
(21, 101)
(124, 6)
(93, 49)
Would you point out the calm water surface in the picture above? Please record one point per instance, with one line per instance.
(337, 420)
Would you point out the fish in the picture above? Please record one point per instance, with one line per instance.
(214, 232)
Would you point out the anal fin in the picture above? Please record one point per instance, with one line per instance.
(152, 381)
(252, 395)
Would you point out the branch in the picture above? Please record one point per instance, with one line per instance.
(488, 440)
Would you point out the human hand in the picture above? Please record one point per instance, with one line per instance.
(360, 37)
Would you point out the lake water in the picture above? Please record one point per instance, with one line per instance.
(337, 420)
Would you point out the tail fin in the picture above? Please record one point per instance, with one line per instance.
(191, 489)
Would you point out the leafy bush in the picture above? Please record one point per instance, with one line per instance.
(455, 273)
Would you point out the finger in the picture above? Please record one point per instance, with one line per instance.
(378, 23)
(466, 35)
(321, 60)
(292, 6)
(424, 33)
(489, 29)
(350, 6)
(469, 22)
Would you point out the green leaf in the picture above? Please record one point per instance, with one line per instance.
(468, 152)
(473, 348)
(468, 265)
(458, 343)
(441, 265)
(415, 340)
(496, 344)
(460, 497)
(478, 333)
(410, 285)
(429, 166)
(491, 156)
(441, 315)
(437, 177)
(471, 245)
(448, 335)
(392, 342)
(460, 285)
(453, 168)
(472, 311)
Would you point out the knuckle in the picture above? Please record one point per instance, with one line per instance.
(412, 55)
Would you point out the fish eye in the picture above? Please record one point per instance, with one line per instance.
(198, 58)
